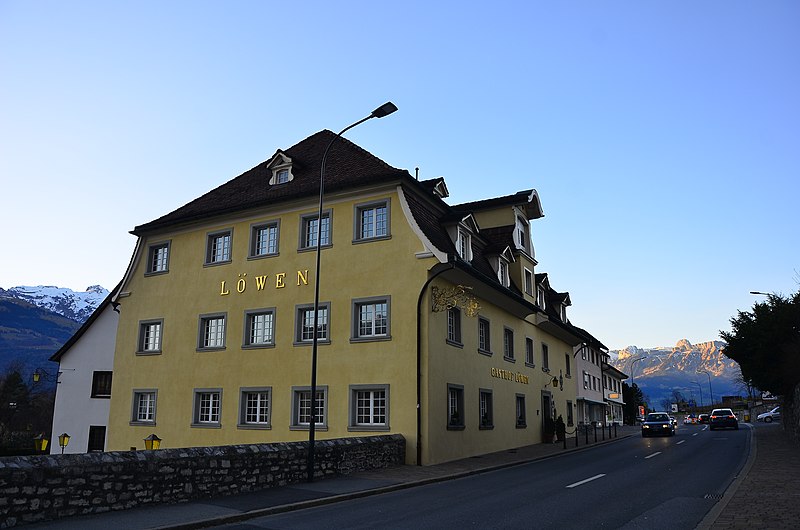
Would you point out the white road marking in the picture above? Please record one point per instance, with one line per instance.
(587, 480)
(695, 434)
(680, 442)
(654, 454)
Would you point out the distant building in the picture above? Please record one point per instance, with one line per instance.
(83, 392)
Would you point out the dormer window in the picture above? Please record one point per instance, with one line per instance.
(281, 168)
(502, 272)
(540, 298)
(563, 312)
(464, 244)
(522, 237)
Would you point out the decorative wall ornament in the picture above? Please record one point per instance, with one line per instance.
(458, 296)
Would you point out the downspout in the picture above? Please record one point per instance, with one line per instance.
(419, 356)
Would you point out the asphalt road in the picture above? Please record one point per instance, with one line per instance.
(669, 482)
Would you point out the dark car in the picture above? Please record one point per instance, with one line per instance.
(722, 418)
(702, 418)
(657, 423)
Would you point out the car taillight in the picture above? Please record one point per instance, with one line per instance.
(713, 417)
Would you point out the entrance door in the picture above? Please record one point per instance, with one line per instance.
(547, 407)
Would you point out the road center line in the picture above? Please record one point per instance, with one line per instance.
(587, 480)
(680, 442)
(654, 454)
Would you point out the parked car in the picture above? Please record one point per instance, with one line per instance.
(689, 419)
(657, 423)
(767, 417)
(722, 418)
(702, 419)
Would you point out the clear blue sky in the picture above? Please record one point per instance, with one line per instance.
(663, 137)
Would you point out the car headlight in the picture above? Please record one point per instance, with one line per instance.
(666, 426)
(645, 426)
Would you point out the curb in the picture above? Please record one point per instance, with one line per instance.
(711, 517)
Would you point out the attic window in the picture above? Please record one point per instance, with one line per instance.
(522, 238)
(502, 272)
(463, 244)
(281, 167)
(563, 312)
(540, 298)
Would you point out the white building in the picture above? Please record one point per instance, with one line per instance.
(83, 391)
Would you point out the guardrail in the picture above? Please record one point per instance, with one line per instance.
(587, 429)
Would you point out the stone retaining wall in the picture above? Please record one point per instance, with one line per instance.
(39, 488)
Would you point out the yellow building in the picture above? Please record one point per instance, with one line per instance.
(431, 322)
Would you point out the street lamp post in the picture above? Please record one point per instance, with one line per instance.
(711, 392)
(633, 363)
(700, 388)
(384, 110)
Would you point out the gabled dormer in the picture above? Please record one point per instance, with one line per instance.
(461, 234)
(440, 189)
(500, 263)
(281, 169)
(565, 303)
(542, 286)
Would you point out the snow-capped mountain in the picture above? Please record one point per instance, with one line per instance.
(663, 370)
(66, 302)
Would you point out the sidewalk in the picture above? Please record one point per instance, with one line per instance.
(765, 495)
(767, 492)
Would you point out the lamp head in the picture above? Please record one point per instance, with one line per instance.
(384, 110)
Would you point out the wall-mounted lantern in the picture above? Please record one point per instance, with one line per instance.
(152, 442)
(63, 440)
(40, 443)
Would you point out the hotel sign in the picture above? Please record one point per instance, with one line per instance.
(261, 282)
(509, 375)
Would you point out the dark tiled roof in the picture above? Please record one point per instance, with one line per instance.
(498, 238)
(347, 165)
(521, 197)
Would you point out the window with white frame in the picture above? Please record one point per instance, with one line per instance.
(540, 298)
(310, 227)
(521, 417)
(563, 312)
(485, 409)
(372, 221)
(212, 332)
(264, 239)
(522, 235)
(508, 343)
(304, 323)
(207, 407)
(545, 357)
(144, 407)
(464, 245)
(282, 176)
(158, 258)
(150, 336)
(455, 407)
(484, 342)
(502, 272)
(254, 407)
(259, 328)
(301, 407)
(369, 407)
(218, 247)
(585, 380)
(454, 326)
(529, 282)
(529, 352)
(371, 318)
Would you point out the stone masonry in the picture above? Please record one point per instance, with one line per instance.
(39, 488)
